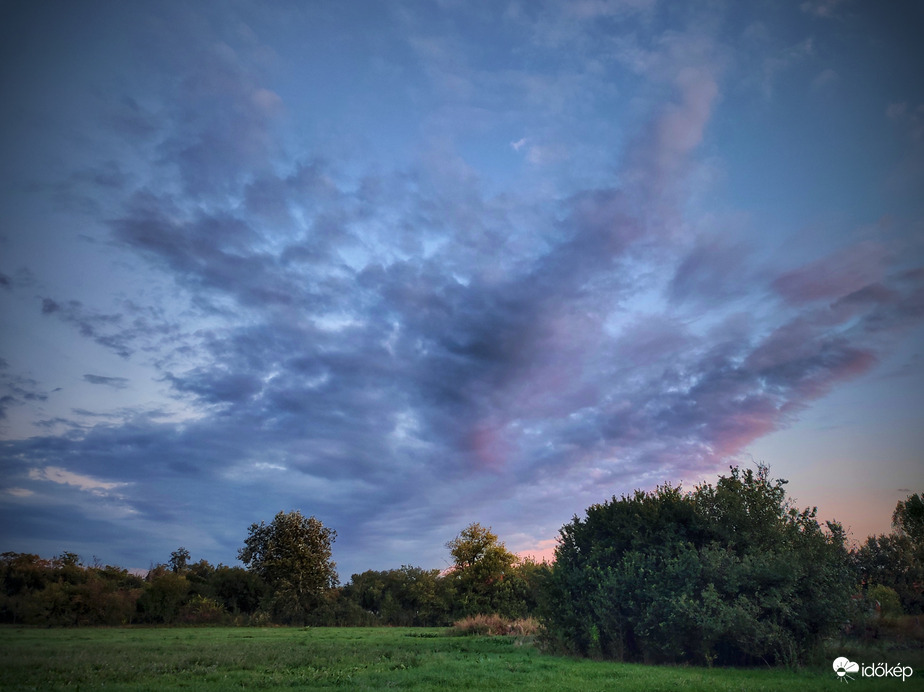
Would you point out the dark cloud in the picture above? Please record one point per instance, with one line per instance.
(114, 382)
(132, 328)
(17, 390)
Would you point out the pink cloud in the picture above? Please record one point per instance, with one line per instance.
(680, 128)
(834, 276)
(540, 551)
(739, 429)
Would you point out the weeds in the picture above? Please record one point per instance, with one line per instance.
(496, 625)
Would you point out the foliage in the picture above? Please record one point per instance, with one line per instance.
(178, 560)
(292, 556)
(238, 590)
(200, 610)
(484, 577)
(409, 596)
(888, 602)
(908, 519)
(61, 591)
(896, 560)
(165, 594)
(730, 574)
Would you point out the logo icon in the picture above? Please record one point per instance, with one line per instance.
(842, 666)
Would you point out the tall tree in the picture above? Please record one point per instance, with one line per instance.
(908, 519)
(482, 571)
(179, 558)
(292, 555)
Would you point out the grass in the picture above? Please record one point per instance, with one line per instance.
(349, 658)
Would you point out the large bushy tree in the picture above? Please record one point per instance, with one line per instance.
(292, 555)
(730, 573)
(484, 578)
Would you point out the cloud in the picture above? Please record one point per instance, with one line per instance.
(61, 476)
(715, 269)
(222, 120)
(910, 118)
(19, 492)
(18, 390)
(114, 382)
(123, 332)
(591, 9)
(403, 350)
(836, 275)
(657, 159)
(826, 9)
(825, 79)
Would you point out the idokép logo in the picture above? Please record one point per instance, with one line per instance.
(844, 667)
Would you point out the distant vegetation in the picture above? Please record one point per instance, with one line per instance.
(290, 580)
(726, 574)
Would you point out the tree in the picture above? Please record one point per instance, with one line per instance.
(908, 519)
(891, 560)
(239, 590)
(409, 596)
(292, 556)
(179, 558)
(896, 560)
(730, 574)
(165, 594)
(482, 573)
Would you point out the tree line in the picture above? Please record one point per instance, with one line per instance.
(289, 579)
(729, 574)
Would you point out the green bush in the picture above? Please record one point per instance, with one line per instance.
(729, 574)
(200, 610)
(887, 599)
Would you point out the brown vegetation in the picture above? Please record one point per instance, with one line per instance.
(496, 625)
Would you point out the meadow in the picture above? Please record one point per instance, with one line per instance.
(349, 658)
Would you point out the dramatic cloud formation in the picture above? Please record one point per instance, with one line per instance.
(419, 267)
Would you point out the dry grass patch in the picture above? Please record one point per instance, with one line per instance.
(496, 625)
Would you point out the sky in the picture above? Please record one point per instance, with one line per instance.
(411, 265)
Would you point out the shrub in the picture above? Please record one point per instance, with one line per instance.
(200, 610)
(730, 574)
(887, 599)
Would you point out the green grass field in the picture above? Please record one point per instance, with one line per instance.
(351, 658)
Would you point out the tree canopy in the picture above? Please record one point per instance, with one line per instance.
(729, 573)
(908, 519)
(488, 578)
(292, 555)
